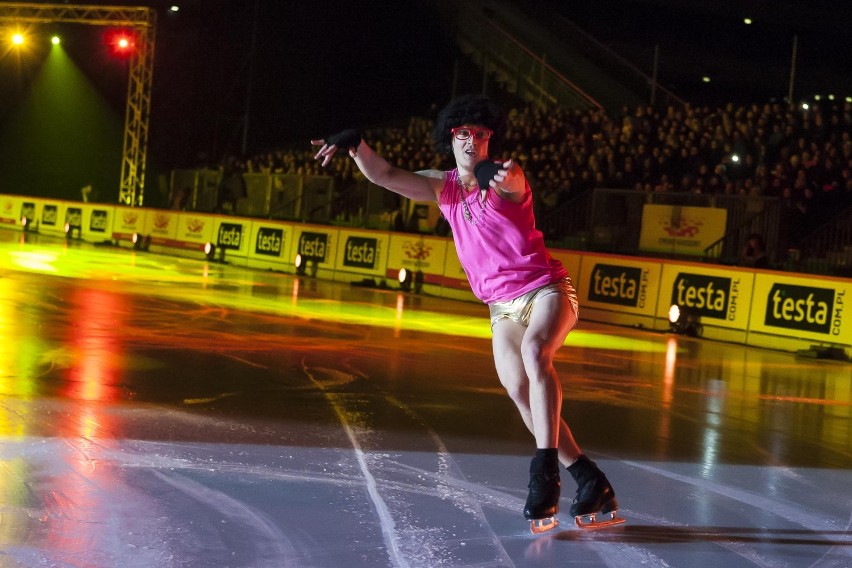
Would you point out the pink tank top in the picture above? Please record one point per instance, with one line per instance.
(501, 251)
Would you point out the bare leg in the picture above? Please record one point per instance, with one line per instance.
(524, 360)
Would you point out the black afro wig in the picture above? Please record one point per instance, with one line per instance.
(468, 109)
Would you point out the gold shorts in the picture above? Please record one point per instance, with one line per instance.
(521, 308)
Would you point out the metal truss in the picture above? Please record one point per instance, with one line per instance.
(143, 21)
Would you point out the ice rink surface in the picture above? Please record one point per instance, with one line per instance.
(166, 412)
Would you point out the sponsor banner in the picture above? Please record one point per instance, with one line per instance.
(417, 252)
(805, 308)
(74, 217)
(30, 209)
(190, 228)
(619, 284)
(232, 235)
(719, 297)
(681, 230)
(271, 243)
(10, 209)
(127, 221)
(52, 218)
(161, 225)
(316, 245)
(97, 222)
(362, 252)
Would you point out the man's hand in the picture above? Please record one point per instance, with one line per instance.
(349, 139)
(509, 178)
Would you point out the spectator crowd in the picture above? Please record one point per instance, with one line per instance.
(801, 155)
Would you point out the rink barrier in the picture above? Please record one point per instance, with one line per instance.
(784, 311)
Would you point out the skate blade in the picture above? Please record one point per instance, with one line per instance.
(538, 526)
(594, 521)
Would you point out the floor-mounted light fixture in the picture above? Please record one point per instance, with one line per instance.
(684, 322)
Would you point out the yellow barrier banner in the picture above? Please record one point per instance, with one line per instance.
(271, 242)
(454, 274)
(161, 225)
(97, 222)
(803, 308)
(316, 245)
(194, 228)
(53, 217)
(10, 209)
(232, 235)
(362, 252)
(417, 252)
(716, 296)
(128, 221)
(30, 211)
(618, 284)
(681, 230)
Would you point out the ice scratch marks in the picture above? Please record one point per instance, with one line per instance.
(448, 477)
(385, 518)
(831, 558)
(427, 518)
(818, 526)
(256, 534)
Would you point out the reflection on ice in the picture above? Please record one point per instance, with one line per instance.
(162, 412)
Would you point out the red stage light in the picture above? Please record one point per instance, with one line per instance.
(122, 43)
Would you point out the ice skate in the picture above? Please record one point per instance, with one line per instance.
(542, 502)
(595, 505)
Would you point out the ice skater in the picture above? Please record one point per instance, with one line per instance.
(532, 302)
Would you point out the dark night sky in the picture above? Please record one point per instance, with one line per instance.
(323, 65)
(318, 67)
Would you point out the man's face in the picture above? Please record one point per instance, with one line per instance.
(470, 144)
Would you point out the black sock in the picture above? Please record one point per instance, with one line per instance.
(583, 469)
(546, 460)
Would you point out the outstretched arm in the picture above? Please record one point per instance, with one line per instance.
(420, 186)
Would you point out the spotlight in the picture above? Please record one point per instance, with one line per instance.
(302, 264)
(18, 38)
(71, 231)
(674, 313)
(122, 43)
(55, 40)
(684, 322)
(405, 278)
(141, 242)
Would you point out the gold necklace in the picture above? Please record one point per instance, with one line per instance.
(482, 202)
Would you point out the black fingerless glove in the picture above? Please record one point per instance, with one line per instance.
(345, 139)
(485, 172)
